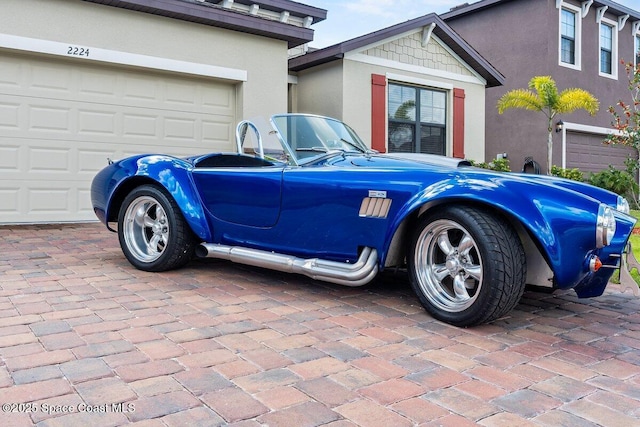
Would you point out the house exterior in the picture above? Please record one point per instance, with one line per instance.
(581, 45)
(86, 80)
(413, 87)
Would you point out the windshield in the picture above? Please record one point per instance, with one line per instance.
(313, 136)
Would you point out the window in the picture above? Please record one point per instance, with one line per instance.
(637, 50)
(417, 120)
(608, 49)
(570, 37)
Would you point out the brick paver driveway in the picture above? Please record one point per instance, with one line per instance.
(85, 339)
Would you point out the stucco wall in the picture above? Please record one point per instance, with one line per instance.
(521, 39)
(342, 88)
(80, 23)
(320, 90)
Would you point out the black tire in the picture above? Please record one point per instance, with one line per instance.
(153, 234)
(466, 265)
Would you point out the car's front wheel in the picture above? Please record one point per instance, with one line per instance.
(153, 234)
(466, 265)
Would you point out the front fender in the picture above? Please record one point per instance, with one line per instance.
(561, 221)
(113, 183)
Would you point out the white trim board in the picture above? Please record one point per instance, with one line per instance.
(88, 53)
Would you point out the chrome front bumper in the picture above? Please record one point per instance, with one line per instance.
(627, 262)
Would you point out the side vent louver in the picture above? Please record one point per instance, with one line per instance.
(375, 207)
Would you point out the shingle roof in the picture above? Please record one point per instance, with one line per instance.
(213, 14)
(441, 30)
(465, 9)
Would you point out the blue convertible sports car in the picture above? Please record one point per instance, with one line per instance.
(303, 194)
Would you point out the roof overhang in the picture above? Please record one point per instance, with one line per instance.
(222, 14)
(466, 9)
(440, 29)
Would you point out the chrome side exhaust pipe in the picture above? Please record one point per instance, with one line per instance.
(357, 274)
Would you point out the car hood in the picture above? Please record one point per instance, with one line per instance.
(402, 161)
(431, 159)
(461, 167)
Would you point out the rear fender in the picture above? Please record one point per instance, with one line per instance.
(172, 174)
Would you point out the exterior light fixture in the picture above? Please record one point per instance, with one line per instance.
(559, 126)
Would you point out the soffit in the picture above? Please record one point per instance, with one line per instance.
(278, 19)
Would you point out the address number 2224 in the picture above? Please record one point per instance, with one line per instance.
(78, 51)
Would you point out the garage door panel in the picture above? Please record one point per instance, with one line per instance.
(61, 120)
(56, 201)
(140, 126)
(138, 89)
(179, 95)
(97, 122)
(98, 85)
(92, 161)
(588, 153)
(9, 200)
(9, 157)
(49, 160)
(46, 199)
(49, 79)
(179, 129)
(114, 86)
(10, 72)
(219, 100)
(9, 116)
(215, 133)
(49, 118)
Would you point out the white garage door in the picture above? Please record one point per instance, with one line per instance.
(60, 120)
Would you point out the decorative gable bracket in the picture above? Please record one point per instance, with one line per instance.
(622, 20)
(426, 33)
(635, 28)
(600, 13)
(586, 5)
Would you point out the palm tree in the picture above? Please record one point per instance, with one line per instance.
(547, 100)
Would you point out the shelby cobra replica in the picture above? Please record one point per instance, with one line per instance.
(303, 194)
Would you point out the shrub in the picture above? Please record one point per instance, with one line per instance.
(618, 181)
(574, 174)
(499, 165)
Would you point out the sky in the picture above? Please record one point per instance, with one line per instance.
(347, 19)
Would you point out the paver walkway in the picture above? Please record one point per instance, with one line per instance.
(85, 339)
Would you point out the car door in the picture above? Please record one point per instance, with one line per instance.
(242, 195)
(322, 211)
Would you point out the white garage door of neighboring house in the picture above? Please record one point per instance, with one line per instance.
(61, 119)
(586, 152)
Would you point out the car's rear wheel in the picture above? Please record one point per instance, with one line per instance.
(466, 265)
(153, 234)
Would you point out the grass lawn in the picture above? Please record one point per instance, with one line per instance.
(635, 238)
(635, 246)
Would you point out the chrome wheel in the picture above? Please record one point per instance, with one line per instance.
(448, 266)
(466, 264)
(146, 229)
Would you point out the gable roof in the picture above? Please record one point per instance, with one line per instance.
(441, 30)
(466, 8)
(226, 15)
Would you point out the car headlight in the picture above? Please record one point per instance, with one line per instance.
(605, 226)
(623, 205)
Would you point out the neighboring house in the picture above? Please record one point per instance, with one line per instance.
(83, 81)
(413, 87)
(580, 44)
